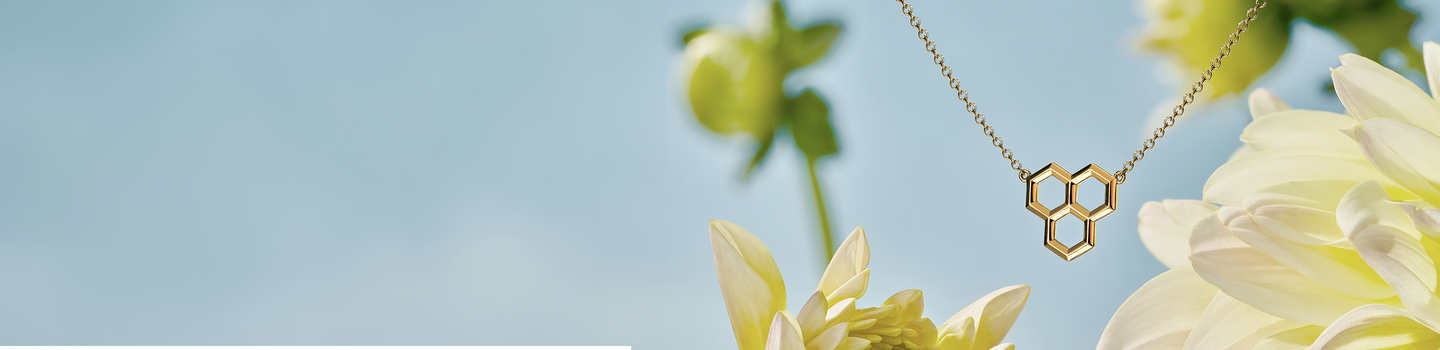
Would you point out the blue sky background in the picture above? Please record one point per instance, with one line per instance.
(527, 173)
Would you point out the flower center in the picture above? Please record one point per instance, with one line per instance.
(884, 331)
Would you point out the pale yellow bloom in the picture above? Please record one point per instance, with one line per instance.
(1190, 32)
(1321, 232)
(755, 298)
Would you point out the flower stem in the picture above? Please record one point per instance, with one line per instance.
(828, 244)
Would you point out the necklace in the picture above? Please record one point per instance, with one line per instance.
(1072, 180)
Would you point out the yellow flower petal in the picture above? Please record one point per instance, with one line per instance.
(909, 306)
(1328, 140)
(829, 339)
(1242, 151)
(841, 310)
(853, 343)
(1338, 269)
(749, 281)
(1385, 238)
(1295, 339)
(1376, 327)
(1320, 194)
(1432, 68)
(1367, 204)
(784, 333)
(1425, 216)
(1004, 346)
(1161, 314)
(1231, 324)
(926, 334)
(1249, 275)
(1262, 103)
(1357, 61)
(1235, 180)
(1300, 224)
(852, 289)
(1370, 91)
(1290, 121)
(958, 336)
(1165, 228)
(1301, 211)
(1301, 128)
(992, 316)
(852, 258)
(1405, 153)
(812, 316)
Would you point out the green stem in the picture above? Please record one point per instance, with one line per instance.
(825, 236)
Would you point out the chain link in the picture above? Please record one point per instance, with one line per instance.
(1189, 98)
(1159, 133)
(961, 94)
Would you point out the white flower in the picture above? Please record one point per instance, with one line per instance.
(1325, 235)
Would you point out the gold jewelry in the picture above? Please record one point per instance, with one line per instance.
(1072, 181)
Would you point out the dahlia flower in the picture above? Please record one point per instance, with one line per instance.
(1321, 232)
(754, 296)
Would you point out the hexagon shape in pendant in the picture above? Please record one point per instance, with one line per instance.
(1071, 207)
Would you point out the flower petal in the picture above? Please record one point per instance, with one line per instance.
(749, 281)
(1243, 176)
(1370, 91)
(1357, 61)
(1302, 211)
(1301, 128)
(1376, 327)
(1297, 224)
(830, 338)
(926, 334)
(1161, 314)
(853, 343)
(812, 316)
(852, 289)
(1242, 151)
(1290, 121)
(1320, 194)
(1295, 339)
(958, 336)
(1250, 276)
(1368, 204)
(852, 257)
(1426, 218)
(784, 333)
(1405, 153)
(1165, 228)
(1432, 68)
(1004, 346)
(1231, 324)
(841, 310)
(1262, 103)
(909, 306)
(1387, 241)
(1327, 140)
(1338, 269)
(992, 316)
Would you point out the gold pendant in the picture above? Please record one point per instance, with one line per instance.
(1071, 206)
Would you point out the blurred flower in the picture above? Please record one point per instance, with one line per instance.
(736, 86)
(1190, 32)
(755, 298)
(1326, 234)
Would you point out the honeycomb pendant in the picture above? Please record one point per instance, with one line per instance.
(1071, 206)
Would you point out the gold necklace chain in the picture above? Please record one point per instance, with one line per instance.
(1009, 155)
(1091, 216)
